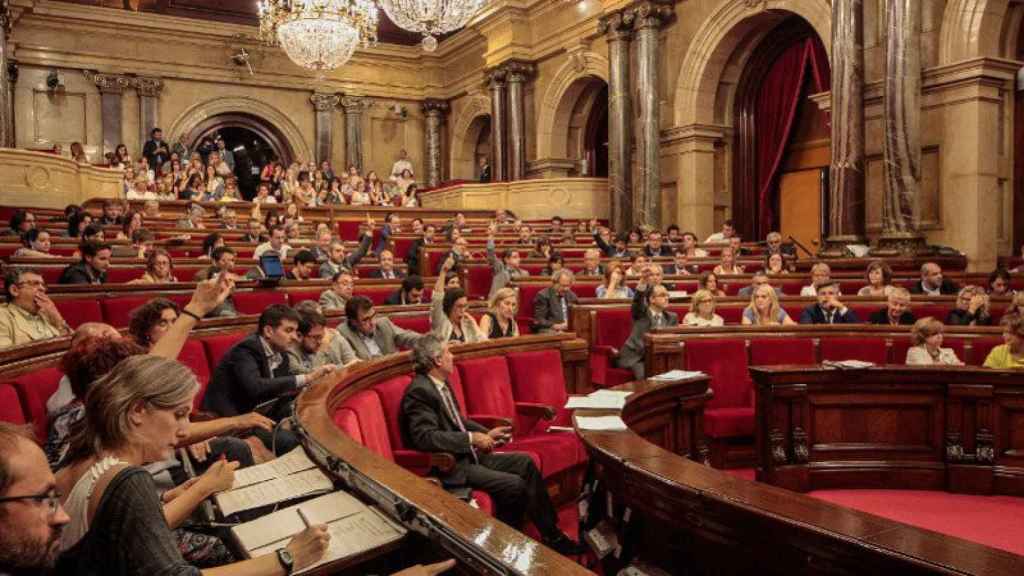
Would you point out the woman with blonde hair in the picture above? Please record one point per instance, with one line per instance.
(500, 319)
(1015, 309)
(727, 264)
(702, 311)
(1010, 354)
(927, 348)
(764, 309)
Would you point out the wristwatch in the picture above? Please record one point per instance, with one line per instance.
(286, 560)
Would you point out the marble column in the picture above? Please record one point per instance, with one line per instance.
(846, 194)
(496, 84)
(649, 17)
(149, 105)
(324, 105)
(902, 125)
(618, 29)
(6, 95)
(434, 111)
(10, 123)
(111, 87)
(354, 106)
(516, 74)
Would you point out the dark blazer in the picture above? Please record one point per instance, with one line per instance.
(385, 236)
(547, 311)
(395, 299)
(815, 315)
(882, 317)
(243, 379)
(427, 427)
(665, 250)
(672, 270)
(378, 273)
(609, 250)
(947, 287)
(632, 351)
(485, 174)
(81, 273)
(957, 317)
(412, 257)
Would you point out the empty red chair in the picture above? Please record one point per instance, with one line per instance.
(116, 275)
(50, 274)
(868, 349)
(376, 294)
(415, 322)
(34, 389)
(730, 413)
(10, 406)
(372, 425)
(479, 281)
(296, 296)
(585, 290)
(193, 355)
(538, 378)
(78, 311)
(769, 351)
(117, 311)
(980, 347)
(346, 420)
(217, 346)
(729, 314)
(610, 331)
(256, 302)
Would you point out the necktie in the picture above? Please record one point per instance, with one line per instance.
(830, 316)
(453, 412)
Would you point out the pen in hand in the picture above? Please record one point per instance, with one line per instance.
(302, 515)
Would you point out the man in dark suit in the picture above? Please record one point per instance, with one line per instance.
(92, 268)
(304, 266)
(156, 151)
(432, 422)
(392, 226)
(418, 246)
(338, 260)
(256, 370)
(680, 265)
(655, 246)
(932, 282)
(654, 314)
(411, 292)
(387, 270)
(551, 305)
(828, 310)
(485, 170)
(897, 310)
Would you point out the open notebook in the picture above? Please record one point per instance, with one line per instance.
(291, 476)
(354, 527)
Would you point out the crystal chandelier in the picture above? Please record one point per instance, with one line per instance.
(318, 34)
(431, 17)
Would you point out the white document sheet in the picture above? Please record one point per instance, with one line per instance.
(610, 423)
(273, 491)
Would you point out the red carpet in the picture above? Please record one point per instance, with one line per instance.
(996, 521)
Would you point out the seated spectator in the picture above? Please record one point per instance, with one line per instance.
(614, 285)
(386, 269)
(303, 266)
(541, 249)
(365, 336)
(764, 309)
(927, 348)
(555, 263)
(450, 319)
(142, 243)
(551, 305)
(222, 260)
(92, 233)
(263, 195)
(650, 312)
(673, 236)
(972, 308)
(193, 218)
(92, 269)
(111, 215)
(339, 293)
(638, 265)
(602, 237)
(828, 310)
(821, 273)
(505, 270)
(722, 237)
(337, 259)
(159, 268)
(932, 282)
(591, 263)
(255, 233)
(775, 264)
(211, 242)
(151, 209)
(149, 322)
(500, 319)
(318, 345)
(418, 246)
(276, 243)
(525, 235)
(460, 252)
(680, 265)
(702, 311)
(760, 278)
(35, 244)
(322, 249)
(897, 310)
(21, 222)
(655, 247)
(411, 292)
(773, 245)
(1015, 309)
(689, 246)
(736, 243)
(1010, 354)
(709, 281)
(77, 222)
(999, 283)
(29, 314)
(879, 277)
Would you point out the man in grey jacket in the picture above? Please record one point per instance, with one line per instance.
(364, 336)
(654, 314)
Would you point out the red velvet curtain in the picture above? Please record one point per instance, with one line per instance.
(776, 112)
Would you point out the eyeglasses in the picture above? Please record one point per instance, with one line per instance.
(33, 283)
(51, 498)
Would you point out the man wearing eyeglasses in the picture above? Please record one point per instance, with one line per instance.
(29, 314)
(366, 336)
(31, 517)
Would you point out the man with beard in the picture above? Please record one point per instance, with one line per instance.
(31, 516)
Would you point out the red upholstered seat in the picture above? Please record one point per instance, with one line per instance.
(980, 347)
(730, 314)
(537, 377)
(768, 351)
(390, 392)
(193, 355)
(118, 275)
(49, 273)
(415, 322)
(611, 329)
(348, 229)
(372, 424)
(34, 389)
(117, 311)
(296, 296)
(10, 406)
(725, 361)
(346, 420)
(790, 287)
(256, 301)
(377, 294)
(868, 349)
(217, 346)
(585, 290)
(78, 311)
(479, 279)
(938, 311)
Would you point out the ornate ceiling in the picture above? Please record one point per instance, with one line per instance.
(234, 11)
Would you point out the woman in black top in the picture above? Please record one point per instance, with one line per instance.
(500, 319)
(971, 308)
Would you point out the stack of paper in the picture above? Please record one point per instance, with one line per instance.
(611, 423)
(599, 400)
(673, 375)
(848, 364)
(290, 476)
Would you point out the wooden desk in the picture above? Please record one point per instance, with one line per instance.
(695, 519)
(912, 427)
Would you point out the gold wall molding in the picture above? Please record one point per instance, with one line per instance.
(50, 181)
(529, 199)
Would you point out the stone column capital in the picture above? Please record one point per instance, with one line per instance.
(435, 107)
(495, 77)
(355, 104)
(324, 102)
(147, 86)
(651, 13)
(618, 26)
(109, 83)
(518, 70)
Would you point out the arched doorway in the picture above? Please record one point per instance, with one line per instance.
(253, 141)
(482, 127)
(579, 127)
(596, 141)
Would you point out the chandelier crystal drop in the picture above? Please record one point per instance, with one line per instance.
(318, 34)
(431, 17)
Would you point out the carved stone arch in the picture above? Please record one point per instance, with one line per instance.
(573, 78)
(728, 36)
(465, 134)
(196, 118)
(971, 29)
